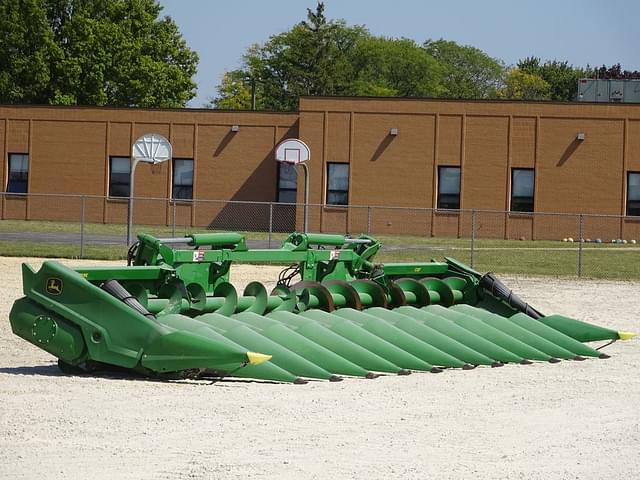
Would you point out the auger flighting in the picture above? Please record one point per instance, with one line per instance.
(172, 313)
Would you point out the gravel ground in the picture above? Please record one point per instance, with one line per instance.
(572, 420)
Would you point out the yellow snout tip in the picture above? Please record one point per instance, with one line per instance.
(257, 358)
(626, 335)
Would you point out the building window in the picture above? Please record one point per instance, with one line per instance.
(182, 179)
(522, 187)
(449, 187)
(18, 173)
(633, 194)
(119, 176)
(337, 184)
(287, 183)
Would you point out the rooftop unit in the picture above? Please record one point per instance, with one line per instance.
(609, 90)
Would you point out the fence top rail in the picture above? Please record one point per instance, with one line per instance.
(462, 211)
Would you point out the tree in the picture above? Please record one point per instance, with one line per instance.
(561, 76)
(394, 67)
(467, 72)
(520, 85)
(27, 51)
(327, 57)
(104, 52)
(235, 92)
(313, 58)
(616, 72)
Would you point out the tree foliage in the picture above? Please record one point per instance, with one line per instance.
(328, 57)
(520, 85)
(236, 90)
(27, 52)
(394, 67)
(561, 76)
(616, 72)
(93, 52)
(467, 71)
(313, 58)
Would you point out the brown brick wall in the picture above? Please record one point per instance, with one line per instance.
(392, 170)
(484, 172)
(17, 136)
(69, 150)
(488, 140)
(576, 176)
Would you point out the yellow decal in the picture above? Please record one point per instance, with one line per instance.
(417, 269)
(54, 286)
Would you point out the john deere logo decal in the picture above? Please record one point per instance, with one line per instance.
(54, 286)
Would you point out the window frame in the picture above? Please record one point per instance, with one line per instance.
(128, 183)
(439, 200)
(174, 186)
(333, 191)
(280, 189)
(626, 210)
(10, 185)
(533, 191)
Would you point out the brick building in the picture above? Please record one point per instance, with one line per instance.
(446, 156)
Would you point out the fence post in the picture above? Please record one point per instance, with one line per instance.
(173, 220)
(581, 240)
(473, 235)
(369, 220)
(270, 222)
(82, 201)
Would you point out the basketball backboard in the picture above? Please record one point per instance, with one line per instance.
(292, 150)
(151, 148)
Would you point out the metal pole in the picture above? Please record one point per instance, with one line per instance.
(253, 94)
(82, 226)
(173, 223)
(369, 220)
(581, 240)
(270, 222)
(306, 197)
(473, 235)
(134, 162)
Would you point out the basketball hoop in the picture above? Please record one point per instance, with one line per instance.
(292, 151)
(295, 152)
(150, 148)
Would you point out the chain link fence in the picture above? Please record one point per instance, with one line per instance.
(580, 245)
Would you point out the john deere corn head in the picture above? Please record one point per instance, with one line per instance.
(172, 313)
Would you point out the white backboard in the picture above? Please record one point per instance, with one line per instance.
(292, 150)
(151, 148)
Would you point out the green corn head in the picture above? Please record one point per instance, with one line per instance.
(172, 313)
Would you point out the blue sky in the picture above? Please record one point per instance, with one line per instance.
(586, 31)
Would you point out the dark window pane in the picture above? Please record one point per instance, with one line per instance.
(633, 194)
(337, 198)
(182, 193)
(522, 188)
(449, 187)
(338, 176)
(119, 176)
(287, 176)
(287, 196)
(287, 183)
(338, 184)
(18, 175)
(183, 179)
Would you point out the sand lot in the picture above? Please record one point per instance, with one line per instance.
(572, 420)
